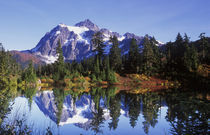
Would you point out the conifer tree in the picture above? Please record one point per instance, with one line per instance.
(107, 67)
(115, 54)
(133, 56)
(204, 44)
(59, 51)
(187, 53)
(97, 67)
(107, 72)
(60, 70)
(179, 46)
(1, 47)
(3, 64)
(157, 55)
(98, 43)
(168, 51)
(148, 57)
(191, 59)
(29, 74)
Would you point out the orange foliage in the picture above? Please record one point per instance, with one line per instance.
(43, 80)
(87, 79)
(104, 82)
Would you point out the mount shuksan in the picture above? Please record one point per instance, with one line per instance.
(75, 41)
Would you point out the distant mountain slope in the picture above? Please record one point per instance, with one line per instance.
(24, 58)
(75, 41)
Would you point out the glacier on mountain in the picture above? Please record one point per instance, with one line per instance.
(76, 42)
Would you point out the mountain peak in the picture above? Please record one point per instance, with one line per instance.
(89, 24)
(76, 42)
(62, 25)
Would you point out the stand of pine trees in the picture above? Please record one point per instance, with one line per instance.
(174, 60)
(171, 60)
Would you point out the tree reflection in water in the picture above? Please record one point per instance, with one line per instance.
(186, 113)
(97, 121)
(134, 108)
(151, 104)
(114, 112)
(59, 98)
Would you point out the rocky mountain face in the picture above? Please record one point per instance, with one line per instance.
(75, 41)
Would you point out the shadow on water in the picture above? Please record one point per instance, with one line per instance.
(110, 111)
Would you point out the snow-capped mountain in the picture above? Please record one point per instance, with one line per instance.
(75, 41)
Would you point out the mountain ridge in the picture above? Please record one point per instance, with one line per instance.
(76, 42)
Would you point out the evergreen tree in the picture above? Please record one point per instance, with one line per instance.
(157, 55)
(8, 67)
(191, 59)
(3, 63)
(97, 67)
(98, 43)
(133, 57)
(194, 59)
(168, 51)
(29, 74)
(148, 57)
(186, 59)
(107, 67)
(39, 71)
(204, 45)
(179, 46)
(1, 47)
(59, 65)
(3, 68)
(208, 53)
(178, 51)
(59, 51)
(115, 54)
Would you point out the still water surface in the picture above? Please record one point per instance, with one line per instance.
(111, 112)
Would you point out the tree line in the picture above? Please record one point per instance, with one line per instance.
(171, 59)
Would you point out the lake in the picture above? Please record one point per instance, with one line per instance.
(111, 112)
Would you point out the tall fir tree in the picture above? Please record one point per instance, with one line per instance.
(178, 52)
(59, 65)
(133, 56)
(115, 54)
(59, 52)
(191, 61)
(204, 45)
(97, 67)
(157, 55)
(148, 57)
(179, 46)
(3, 63)
(98, 43)
(107, 67)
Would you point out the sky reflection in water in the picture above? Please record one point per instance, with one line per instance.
(132, 114)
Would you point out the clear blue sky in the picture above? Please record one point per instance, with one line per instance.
(24, 22)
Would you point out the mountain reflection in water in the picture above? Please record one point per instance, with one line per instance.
(106, 111)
